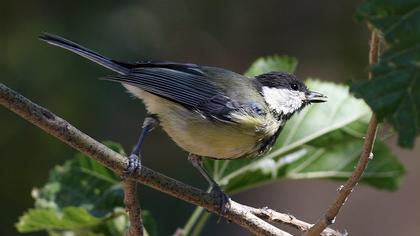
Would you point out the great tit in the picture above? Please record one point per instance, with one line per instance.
(208, 111)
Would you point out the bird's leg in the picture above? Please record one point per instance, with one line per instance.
(224, 204)
(134, 160)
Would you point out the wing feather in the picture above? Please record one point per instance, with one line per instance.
(191, 90)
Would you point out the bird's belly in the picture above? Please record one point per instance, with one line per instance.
(197, 135)
(202, 137)
(211, 140)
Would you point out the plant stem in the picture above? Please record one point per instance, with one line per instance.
(192, 220)
(132, 206)
(200, 224)
(344, 191)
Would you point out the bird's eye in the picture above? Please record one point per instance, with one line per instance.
(294, 86)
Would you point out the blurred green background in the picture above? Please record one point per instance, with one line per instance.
(323, 35)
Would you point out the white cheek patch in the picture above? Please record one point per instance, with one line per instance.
(284, 101)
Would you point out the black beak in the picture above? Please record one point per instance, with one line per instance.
(315, 97)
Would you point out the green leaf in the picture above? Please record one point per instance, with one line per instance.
(393, 93)
(49, 219)
(82, 182)
(323, 141)
(81, 197)
(272, 63)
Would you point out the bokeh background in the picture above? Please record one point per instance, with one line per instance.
(323, 35)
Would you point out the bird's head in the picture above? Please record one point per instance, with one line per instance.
(285, 94)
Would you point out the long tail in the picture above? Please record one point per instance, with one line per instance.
(84, 52)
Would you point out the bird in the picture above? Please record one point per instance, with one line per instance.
(207, 111)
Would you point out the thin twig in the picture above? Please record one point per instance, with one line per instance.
(344, 191)
(132, 206)
(287, 219)
(64, 131)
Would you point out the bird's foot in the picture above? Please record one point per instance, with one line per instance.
(222, 198)
(134, 164)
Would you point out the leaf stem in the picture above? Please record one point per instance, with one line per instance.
(192, 220)
(200, 224)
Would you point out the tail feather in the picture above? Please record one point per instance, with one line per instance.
(84, 52)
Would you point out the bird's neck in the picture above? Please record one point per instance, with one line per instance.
(281, 117)
(268, 143)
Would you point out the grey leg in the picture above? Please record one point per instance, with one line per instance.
(134, 160)
(224, 204)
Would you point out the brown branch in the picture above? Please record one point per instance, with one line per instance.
(344, 191)
(132, 206)
(67, 133)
